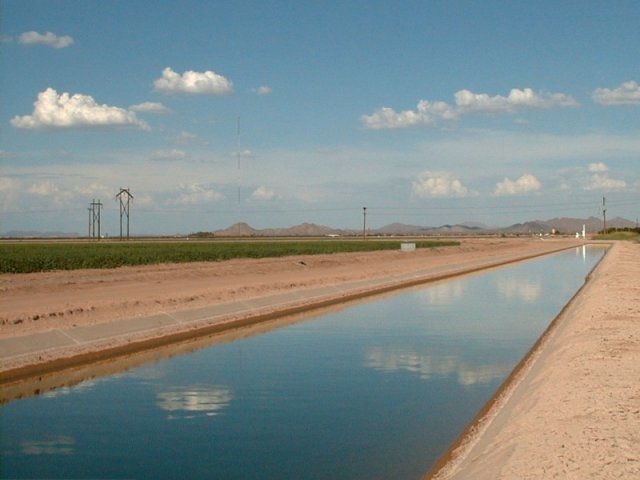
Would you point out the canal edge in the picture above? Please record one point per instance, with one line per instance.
(447, 465)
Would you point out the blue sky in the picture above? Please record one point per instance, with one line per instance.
(426, 113)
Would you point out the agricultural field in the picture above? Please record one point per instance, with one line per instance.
(632, 234)
(19, 257)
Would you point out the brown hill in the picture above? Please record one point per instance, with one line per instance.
(567, 225)
(561, 225)
(303, 230)
(237, 230)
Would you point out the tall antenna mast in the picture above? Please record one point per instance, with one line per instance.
(238, 155)
(604, 214)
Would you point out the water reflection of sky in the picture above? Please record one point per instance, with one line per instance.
(85, 386)
(525, 289)
(392, 360)
(209, 401)
(58, 445)
(442, 294)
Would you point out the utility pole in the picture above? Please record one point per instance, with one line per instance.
(604, 214)
(364, 224)
(90, 216)
(124, 207)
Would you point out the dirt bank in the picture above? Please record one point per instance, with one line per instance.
(574, 411)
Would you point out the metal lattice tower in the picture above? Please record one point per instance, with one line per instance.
(125, 197)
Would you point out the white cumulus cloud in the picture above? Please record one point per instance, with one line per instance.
(517, 100)
(64, 111)
(603, 182)
(10, 191)
(195, 194)
(50, 192)
(244, 154)
(438, 184)
(525, 184)
(43, 188)
(7, 184)
(263, 193)
(598, 167)
(94, 189)
(49, 39)
(600, 179)
(262, 90)
(187, 138)
(195, 83)
(150, 107)
(428, 114)
(168, 155)
(628, 93)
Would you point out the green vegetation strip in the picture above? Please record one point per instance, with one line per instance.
(623, 235)
(41, 257)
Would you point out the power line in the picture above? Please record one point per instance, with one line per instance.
(407, 210)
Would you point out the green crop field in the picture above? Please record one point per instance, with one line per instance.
(619, 235)
(39, 257)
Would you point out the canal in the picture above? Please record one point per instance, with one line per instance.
(379, 389)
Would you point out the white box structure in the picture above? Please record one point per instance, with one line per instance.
(408, 247)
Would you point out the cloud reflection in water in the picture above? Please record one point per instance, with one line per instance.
(430, 366)
(523, 289)
(442, 294)
(60, 445)
(195, 400)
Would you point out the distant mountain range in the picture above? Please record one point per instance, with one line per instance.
(559, 225)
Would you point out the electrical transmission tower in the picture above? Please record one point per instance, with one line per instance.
(604, 215)
(94, 217)
(124, 196)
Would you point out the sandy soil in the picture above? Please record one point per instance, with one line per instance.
(574, 411)
(41, 301)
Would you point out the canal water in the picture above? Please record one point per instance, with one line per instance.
(376, 390)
